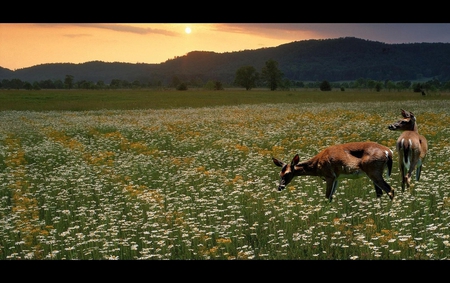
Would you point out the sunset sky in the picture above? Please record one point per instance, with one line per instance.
(27, 44)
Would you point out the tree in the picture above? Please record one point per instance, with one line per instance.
(182, 86)
(58, 84)
(68, 81)
(36, 86)
(246, 76)
(325, 86)
(218, 85)
(100, 84)
(115, 83)
(27, 86)
(390, 85)
(271, 75)
(378, 86)
(136, 84)
(16, 84)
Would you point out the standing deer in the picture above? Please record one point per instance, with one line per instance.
(350, 160)
(411, 147)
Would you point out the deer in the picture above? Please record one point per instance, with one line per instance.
(349, 160)
(411, 147)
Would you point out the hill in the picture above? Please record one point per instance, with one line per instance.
(340, 59)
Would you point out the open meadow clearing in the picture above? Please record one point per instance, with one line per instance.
(199, 183)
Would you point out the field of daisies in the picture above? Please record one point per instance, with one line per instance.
(200, 184)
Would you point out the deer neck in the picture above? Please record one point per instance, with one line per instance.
(414, 128)
(306, 168)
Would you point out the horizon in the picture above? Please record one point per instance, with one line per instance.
(27, 44)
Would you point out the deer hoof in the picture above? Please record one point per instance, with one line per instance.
(391, 194)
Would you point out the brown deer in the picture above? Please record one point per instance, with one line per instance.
(411, 146)
(350, 160)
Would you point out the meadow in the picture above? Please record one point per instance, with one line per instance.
(188, 176)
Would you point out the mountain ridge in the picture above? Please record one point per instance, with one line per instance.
(338, 59)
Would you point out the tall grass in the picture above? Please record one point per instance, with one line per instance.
(199, 183)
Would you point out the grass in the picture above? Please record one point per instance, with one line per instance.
(82, 100)
(191, 177)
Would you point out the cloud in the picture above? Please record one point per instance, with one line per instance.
(116, 27)
(76, 35)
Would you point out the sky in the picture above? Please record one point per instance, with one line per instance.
(25, 45)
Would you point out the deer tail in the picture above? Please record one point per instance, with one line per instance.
(405, 146)
(389, 165)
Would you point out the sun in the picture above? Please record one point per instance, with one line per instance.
(187, 30)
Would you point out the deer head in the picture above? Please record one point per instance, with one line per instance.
(408, 123)
(287, 171)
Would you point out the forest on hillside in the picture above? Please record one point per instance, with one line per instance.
(341, 60)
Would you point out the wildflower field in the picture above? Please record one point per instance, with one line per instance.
(199, 183)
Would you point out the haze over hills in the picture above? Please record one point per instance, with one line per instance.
(340, 59)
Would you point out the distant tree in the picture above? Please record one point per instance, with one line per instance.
(196, 82)
(417, 87)
(58, 84)
(390, 85)
(47, 84)
(286, 84)
(16, 83)
(403, 85)
(360, 83)
(36, 86)
(246, 76)
(115, 83)
(446, 85)
(218, 85)
(378, 86)
(27, 86)
(6, 83)
(433, 84)
(182, 86)
(136, 84)
(100, 84)
(299, 84)
(345, 85)
(371, 84)
(325, 86)
(83, 84)
(126, 84)
(209, 85)
(271, 75)
(68, 82)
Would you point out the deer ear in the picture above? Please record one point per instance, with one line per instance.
(404, 113)
(277, 162)
(295, 160)
(407, 114)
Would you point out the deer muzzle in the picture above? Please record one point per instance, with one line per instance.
(392, 127)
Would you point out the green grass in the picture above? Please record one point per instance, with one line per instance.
(191, 177)
(79, 100)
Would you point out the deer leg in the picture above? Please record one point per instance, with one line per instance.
(409, 175)
(418, 169)
(381, 185)
(403, 173)
(332, 184)
(378, 190)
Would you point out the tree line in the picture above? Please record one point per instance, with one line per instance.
(246, 76)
